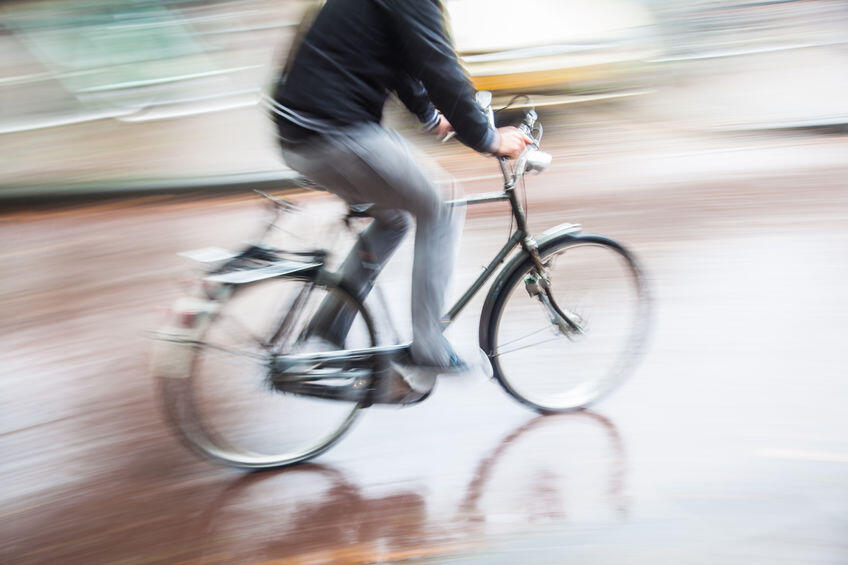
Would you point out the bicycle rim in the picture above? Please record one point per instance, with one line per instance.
(550, 369)
(226, 407)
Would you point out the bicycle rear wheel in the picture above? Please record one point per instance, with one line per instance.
(556, 367)
(225, 406)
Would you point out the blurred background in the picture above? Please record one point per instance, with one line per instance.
(706, 135)
(96, 89)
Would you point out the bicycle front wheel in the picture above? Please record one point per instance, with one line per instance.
(565, 349)
(225, 405)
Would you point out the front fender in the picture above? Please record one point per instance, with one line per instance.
(547, 238)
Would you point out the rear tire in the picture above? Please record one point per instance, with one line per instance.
(224, 405)
(551, 370)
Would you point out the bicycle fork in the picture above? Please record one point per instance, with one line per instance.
(538, 286)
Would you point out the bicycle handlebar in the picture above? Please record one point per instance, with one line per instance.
(532, 159)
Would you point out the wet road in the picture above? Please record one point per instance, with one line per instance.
(728, 445)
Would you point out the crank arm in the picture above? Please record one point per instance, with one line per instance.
(348, 358)
(355, 392)
(317, 374)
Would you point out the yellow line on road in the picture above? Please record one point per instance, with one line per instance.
(359, 554)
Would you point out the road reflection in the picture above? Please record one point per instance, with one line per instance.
(318, 513)
(310, 510)
(612, 465)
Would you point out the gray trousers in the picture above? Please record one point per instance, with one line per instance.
(367, 163)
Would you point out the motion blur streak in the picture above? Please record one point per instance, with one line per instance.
(709, 137)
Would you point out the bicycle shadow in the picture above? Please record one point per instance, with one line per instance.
(314, 512)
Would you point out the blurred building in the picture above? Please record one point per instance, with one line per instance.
(70, 68)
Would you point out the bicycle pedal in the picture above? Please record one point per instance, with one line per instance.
(403, 385)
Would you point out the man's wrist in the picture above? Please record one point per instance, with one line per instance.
(495, 144)
(433, 122)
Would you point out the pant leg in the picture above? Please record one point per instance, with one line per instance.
(367, 163)
(436, 241)
(410, 182)
(373, 248)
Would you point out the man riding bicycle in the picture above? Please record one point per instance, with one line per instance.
(328, 105)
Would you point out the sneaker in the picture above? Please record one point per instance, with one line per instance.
(471, 360)
(405, 384)
(455, 364)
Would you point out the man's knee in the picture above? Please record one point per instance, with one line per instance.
(395, 221)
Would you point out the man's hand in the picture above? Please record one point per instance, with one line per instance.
(443, 128)
(511, 142)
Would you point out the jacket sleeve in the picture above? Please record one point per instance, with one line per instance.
(414, 96)
(429, 57)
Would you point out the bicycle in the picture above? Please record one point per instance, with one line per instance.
(253, 308)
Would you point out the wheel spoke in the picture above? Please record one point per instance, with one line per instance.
(289, 321)
(525, 336)
(236, 351)
(237, 329)
(513, 350)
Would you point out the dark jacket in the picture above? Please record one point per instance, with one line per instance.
(357, 51)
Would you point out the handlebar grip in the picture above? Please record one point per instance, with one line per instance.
(528, 122)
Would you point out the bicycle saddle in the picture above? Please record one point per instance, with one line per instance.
(359, 210)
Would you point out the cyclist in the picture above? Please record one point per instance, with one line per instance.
(327, 105)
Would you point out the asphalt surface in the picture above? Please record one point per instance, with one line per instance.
(728, 445)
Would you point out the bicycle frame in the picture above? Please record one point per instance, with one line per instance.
(519, 236)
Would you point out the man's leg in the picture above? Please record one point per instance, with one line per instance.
(395, 176)
(334, 166)
(373, 248)
(436, 239)
(370, 164)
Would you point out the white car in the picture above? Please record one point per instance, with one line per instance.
(554, 47)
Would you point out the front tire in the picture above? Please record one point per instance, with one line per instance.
(555, 367)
